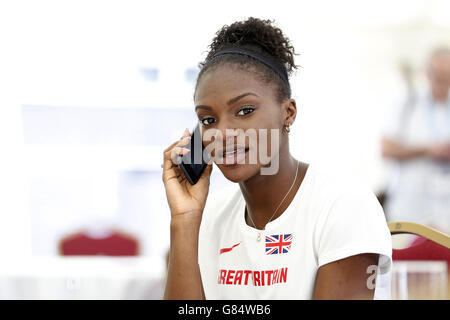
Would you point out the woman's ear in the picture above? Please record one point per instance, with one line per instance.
(289, 111)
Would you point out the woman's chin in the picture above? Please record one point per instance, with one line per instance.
(238, 173)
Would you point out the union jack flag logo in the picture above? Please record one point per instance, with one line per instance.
(278, 243)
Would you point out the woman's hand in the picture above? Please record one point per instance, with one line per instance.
(184, 199)
(186, 204)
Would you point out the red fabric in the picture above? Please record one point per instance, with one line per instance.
(422, 249)
(116, 244)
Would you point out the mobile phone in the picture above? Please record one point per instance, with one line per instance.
(194, 163)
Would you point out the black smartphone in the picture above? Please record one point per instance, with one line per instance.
(194, 163)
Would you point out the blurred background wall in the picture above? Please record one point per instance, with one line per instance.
(92, 92)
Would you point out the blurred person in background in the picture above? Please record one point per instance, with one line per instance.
(417, 140)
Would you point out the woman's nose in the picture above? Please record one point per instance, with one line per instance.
(221, 135)
(230, 134)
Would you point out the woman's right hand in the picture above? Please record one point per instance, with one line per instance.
(184, 199)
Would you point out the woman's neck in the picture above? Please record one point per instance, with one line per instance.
(264, 193)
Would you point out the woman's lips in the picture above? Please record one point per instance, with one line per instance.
(235, 157)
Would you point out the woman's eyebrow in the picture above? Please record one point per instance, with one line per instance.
(203, 107)
(229, 102)
(235, 99)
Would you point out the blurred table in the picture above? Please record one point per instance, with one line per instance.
(83, 278)
(143, 278)
(424, 280)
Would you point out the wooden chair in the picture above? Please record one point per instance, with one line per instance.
(431, 248)
(420, 230)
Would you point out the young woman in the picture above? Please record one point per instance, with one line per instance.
(296, 234)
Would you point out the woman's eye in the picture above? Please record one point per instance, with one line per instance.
(245, 111)
(207, 121)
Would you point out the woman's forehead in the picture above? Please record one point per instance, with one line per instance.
(228, 81)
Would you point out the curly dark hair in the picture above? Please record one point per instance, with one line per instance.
(260, 36)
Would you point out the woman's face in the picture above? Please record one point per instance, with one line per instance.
(228, 97)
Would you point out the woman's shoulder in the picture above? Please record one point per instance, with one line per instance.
(328, 185)
(338, 198)
(220, 201)
(225, 194)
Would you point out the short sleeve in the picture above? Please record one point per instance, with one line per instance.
(356, 224)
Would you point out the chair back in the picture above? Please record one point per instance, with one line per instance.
(431, 244)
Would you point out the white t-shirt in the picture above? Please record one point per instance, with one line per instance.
(419, 189)
(327, 220)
